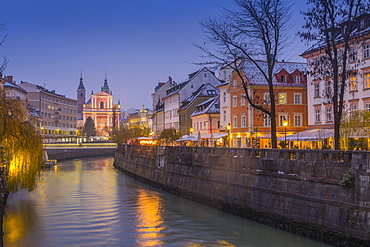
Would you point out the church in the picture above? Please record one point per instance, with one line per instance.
(100, 107)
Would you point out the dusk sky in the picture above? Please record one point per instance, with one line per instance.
(136, 42)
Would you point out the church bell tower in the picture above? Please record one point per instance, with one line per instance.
(80, 98)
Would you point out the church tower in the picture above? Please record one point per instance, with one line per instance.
(80, 98)
(105, 87)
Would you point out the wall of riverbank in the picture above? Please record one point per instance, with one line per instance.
(294, 190)
(71, 153)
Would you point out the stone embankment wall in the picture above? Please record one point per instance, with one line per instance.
(294, 190)
(63, 154)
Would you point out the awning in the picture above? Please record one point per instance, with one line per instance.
(215, 136)
(188, 138)
(310, 135)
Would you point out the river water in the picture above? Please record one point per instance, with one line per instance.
(86, 202)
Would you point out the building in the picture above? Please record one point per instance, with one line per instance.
(140, 118)
(158, 105)
(357, 86)
(252, 128)
(100, 107)
(206, 121)
(224, 106)
(58, 113)
(178, 93)
(188, 105)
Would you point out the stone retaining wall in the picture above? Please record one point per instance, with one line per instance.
(294, 190)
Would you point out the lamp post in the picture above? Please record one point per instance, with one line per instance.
(191, 131)
(228, 127)
(285, 124)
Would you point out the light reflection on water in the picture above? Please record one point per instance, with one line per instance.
(86, 202)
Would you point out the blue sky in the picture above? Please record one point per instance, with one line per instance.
(137, 42)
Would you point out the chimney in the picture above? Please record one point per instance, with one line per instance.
(9, 78)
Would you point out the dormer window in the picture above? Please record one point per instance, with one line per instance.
(282, 78)
(297, 79)
(234, 83)
(191, 86)
(205, 75)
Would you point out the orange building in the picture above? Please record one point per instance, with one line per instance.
(101, 109)
(251, 127)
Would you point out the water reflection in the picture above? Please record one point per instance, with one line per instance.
(86, 202)
(149, 219)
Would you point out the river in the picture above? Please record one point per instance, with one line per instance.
(86, 202)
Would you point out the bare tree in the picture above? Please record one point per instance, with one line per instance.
(332, 25)
(255, 30)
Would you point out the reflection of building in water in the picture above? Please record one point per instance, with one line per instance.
(150, 220)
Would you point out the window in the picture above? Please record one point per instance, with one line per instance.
(224, 96)
(297, 98)
(266, 98)
(327, 88)
(243, 121)
(297, 120)
(235, 121)
(317, 115)
(367, 80)
(224, 116)
(297, 79)
(266, 120)
(101, 105)
(242, 99)
(234, 83)
(329, 117)
(283, 118)
(282, 98)
(367, 51)
(205, 75)
(352, 83)
(283, 78)
(317, 90)
(352, 55)
(235, 103)
(367, 106)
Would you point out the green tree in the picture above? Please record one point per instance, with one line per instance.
(23, 149)
(354, 124)
(89, 128)
(169, 135)
(124, 134)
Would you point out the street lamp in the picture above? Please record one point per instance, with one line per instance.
(191, 131)
(285, 124)
(228, 128)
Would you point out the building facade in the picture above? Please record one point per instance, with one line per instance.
(251, 127)
(100, 107)
(58, 113)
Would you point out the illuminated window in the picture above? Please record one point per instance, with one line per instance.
(367, 80)
(282, 98)
(352, 83)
